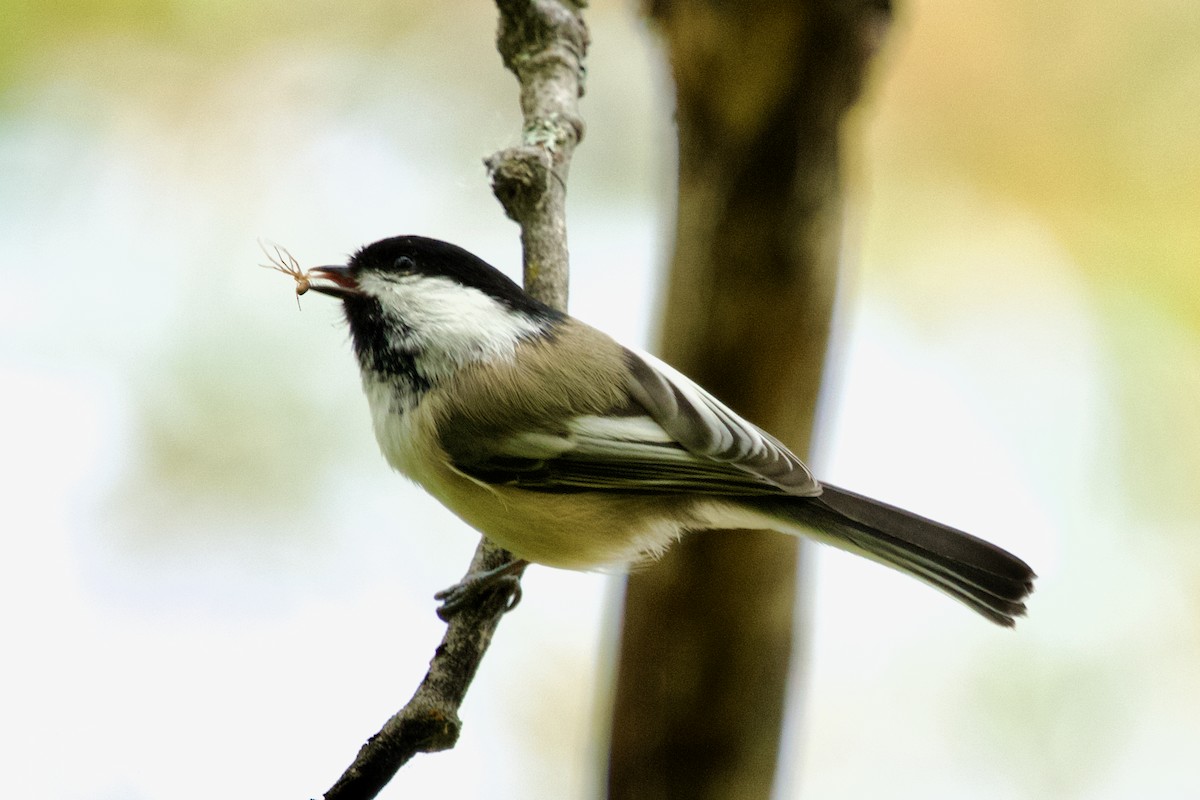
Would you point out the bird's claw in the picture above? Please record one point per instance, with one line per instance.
(504, 580)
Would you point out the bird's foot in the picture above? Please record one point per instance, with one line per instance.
(503, 580)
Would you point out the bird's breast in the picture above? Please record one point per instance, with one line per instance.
(405, 433)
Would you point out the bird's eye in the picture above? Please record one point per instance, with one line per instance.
(405, 264)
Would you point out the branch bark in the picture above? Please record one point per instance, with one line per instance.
(544, 43)
(761, 89)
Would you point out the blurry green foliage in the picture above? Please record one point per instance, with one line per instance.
(207, 29)
(1086, 120)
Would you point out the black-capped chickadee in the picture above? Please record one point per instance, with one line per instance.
(570, 450)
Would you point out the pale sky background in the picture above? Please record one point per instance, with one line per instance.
(213, 586)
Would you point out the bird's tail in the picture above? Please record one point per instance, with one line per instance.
(985, 577)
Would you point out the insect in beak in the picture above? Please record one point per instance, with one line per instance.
(283, 261)
(340, 281)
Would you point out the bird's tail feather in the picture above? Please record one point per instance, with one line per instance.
(985, 577)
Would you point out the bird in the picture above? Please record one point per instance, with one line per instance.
(571, 450)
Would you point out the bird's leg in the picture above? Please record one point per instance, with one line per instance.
(504, 579)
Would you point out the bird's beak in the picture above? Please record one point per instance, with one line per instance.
(335, 281)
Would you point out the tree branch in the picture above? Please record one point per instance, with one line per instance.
(543, 42)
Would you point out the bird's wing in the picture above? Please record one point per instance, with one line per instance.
(708, 428)
(672, 436)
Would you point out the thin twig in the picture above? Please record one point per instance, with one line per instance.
(544, 43)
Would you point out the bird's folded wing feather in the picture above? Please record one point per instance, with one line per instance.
(671, 437)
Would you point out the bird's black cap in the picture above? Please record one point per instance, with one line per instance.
(421, 255)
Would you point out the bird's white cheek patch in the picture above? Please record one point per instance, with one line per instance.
(450, 323)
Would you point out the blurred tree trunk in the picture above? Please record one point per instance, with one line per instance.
(761, 89)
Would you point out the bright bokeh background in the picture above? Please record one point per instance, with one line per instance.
(212, 586)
